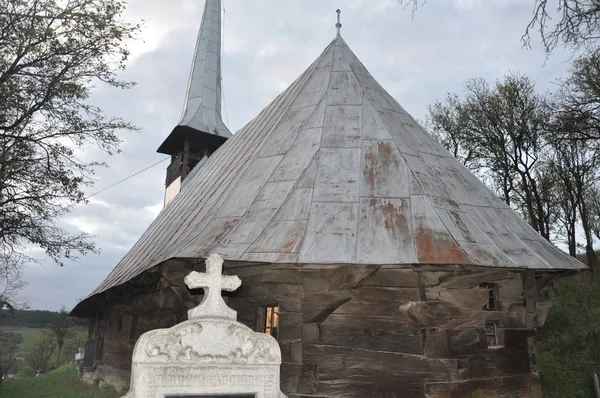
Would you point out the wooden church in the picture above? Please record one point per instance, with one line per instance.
(381, 265)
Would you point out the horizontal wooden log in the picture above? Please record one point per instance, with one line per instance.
(392, 334)
(378, 301)
(501, 387)
(336, 277)
(440, 314)
(470, 299)
(448, 343)
(472, 278)
(339, 359)
(496, 362)
(292, 275)
(317, 307)
(366, 382)
(394, 277)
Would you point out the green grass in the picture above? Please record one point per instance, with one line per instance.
(64, 383)
(29, 334)
(569, 345)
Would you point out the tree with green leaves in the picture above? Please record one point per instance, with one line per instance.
(498, 131)
(52, 52)
(60, 329)
(37, 355)
(8, 352)
(578, 99)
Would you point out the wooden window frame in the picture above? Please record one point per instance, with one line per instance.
(493, 334)
(267, 320)
(493, 303)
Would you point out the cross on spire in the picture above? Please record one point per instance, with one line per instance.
(338, 25)
(212, 281)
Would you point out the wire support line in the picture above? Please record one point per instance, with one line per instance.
(126, 178)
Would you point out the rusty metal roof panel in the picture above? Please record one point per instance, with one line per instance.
(335, 171)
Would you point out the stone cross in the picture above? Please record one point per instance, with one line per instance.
(212, 305)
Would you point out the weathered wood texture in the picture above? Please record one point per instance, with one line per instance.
(366, 331)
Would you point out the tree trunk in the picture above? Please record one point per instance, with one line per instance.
(589, 238)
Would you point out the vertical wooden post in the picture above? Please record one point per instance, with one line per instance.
(186, 159)
(596, 384)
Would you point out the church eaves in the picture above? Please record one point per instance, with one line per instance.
(334, 170)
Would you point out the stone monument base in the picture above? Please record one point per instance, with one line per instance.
(209, 355)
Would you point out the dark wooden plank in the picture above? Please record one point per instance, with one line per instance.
(496, 362)
(317, 307)
(470, 299)
(506, 387)
(336, 277)
(449, 343)
(438, 314)
(393, 334)
(365, 382)
(341, 359)
(390, 277)
(378, 301)
(470, 278)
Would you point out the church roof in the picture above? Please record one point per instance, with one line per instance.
(334, 170)
(202, 107)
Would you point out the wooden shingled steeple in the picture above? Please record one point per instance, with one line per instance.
(335, 171)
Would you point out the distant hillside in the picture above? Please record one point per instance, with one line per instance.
(36, 319)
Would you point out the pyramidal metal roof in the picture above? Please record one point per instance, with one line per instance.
(334, 170)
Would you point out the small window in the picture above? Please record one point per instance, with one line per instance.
(493, 303)
(491, 332)
(268, 320)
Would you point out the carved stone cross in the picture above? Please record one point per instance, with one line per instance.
(212, 305)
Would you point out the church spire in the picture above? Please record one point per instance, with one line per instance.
(201, 129)
(202, 107)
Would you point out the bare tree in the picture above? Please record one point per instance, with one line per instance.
(574, 23)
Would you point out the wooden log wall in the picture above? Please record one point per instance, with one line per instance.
(369, 331)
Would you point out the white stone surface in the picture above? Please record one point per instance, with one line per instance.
(211, 353)
(212, 305)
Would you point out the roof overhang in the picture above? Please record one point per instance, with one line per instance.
(198, 140)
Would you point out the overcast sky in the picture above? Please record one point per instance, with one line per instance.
(267, 44)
